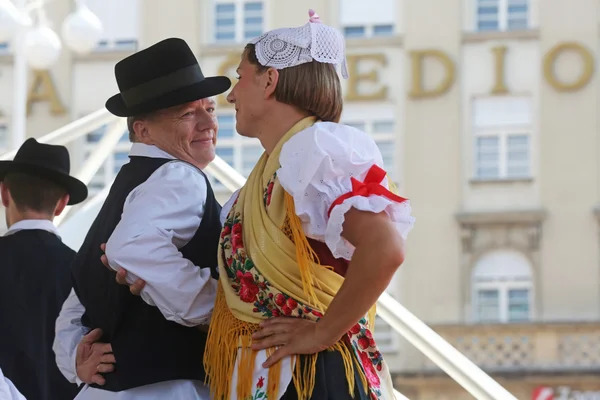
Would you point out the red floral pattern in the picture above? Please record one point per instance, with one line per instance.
(371, 360)
(249, 284)
(259, 393)
(268, 191)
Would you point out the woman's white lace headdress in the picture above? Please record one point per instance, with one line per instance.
(288, 47)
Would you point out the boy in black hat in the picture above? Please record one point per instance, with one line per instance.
(34, 275)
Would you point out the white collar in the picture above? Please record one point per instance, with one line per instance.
(30, 224)
(147, 150)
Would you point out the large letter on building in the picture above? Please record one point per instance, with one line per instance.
(231, 62)
(355, 78)
(418, 57)
(582, 80)
(43, 89)
(499, 84)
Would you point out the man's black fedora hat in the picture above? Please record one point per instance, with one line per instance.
(46, 161)
(163, 75)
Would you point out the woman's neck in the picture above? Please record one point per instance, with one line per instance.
(277, 125)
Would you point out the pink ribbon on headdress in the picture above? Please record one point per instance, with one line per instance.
(313, 17)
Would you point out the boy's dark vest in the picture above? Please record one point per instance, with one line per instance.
(34, 283)
(148, 348)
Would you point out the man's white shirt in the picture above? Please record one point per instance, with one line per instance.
(160, 216)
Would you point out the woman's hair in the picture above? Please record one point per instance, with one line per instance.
(314, 87)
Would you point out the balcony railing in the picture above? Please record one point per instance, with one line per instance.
(439, 351)
(534, 348)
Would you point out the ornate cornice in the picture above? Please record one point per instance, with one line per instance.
(513, 217)
(522, 228)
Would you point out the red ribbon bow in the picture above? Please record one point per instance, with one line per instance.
(371, 186)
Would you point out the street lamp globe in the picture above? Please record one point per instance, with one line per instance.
(82, 30)
(42, 47)
(11, 19)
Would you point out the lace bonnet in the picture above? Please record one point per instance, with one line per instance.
(288, 47)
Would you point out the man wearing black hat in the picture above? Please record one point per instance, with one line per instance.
(34, 275)
(161, 223)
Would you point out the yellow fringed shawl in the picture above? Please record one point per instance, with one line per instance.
(264, 260)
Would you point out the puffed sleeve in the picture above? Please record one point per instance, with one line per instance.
(318, 167)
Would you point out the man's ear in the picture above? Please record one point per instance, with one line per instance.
(140, 128)
(60, 206)
(4, 193)
(271, 80)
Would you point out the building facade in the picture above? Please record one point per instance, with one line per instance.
(486, 113)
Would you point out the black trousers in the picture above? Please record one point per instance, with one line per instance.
(330, 380)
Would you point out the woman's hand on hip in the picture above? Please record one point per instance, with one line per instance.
(290, 336)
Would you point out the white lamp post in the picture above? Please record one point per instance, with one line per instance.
(39, 46)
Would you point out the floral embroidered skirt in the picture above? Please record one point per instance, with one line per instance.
(330, 381)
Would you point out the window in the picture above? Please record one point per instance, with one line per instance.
(225, 22)
(360, 31)
(354, 31)
(361, 19)
(112, 165)
(502, 288)
(119, 22)
(383, 30)
(238, 20)
(502, 15)
(502, 130)
(382, 131)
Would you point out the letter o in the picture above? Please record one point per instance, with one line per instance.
(582, 80)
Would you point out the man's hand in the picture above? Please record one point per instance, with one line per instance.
(121, 277)
(291, 336)
(93, 359)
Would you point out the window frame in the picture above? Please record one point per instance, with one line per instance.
(368, 30)
(503, 16)
(502, 117)
(503, 288)
(502, 270)
(239, 18)
(503, 134)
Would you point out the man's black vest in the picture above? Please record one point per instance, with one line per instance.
(148, 348)
(34, 283)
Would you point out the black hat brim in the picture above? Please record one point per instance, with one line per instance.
(76, 189)
(208, 87)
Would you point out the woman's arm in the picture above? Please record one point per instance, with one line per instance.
(379, 251)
